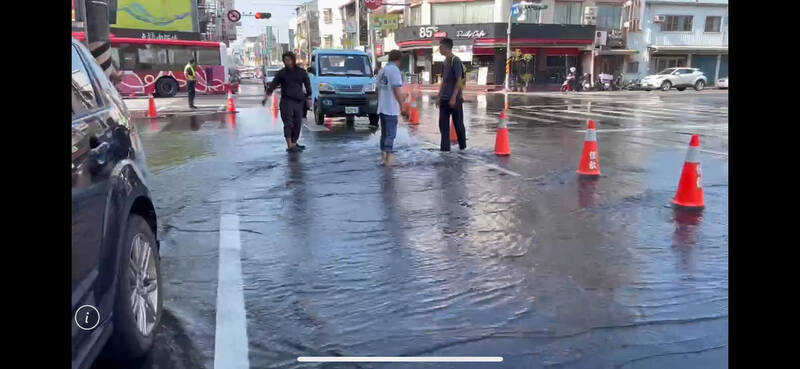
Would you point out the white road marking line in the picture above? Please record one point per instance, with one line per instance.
(230, 340)
(623, 130)
(678, 147)
(504, 170)
(531, 117)
(473, 158)
(400, 359)
(591, 114)
(316, 128)
(557, 115)
(634, 114)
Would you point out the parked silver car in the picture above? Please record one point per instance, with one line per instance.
(680, 78)
(722, 83)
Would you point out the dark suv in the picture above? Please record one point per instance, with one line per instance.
(116, 275)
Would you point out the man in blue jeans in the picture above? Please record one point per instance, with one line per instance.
(389, 102)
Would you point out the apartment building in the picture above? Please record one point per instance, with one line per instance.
(307, 36)
(674, 33)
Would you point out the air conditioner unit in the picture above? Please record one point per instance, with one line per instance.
(600, 38)
(659, 19)
(590, 15)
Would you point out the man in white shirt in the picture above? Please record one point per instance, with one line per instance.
(389, 82)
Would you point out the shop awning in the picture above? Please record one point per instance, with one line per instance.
(688, 49)
(617, 52)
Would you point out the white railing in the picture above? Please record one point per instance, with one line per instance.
(688, 38)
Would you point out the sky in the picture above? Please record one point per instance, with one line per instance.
(282, 11)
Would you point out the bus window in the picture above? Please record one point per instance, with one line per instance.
(147, 58)
(115, 57)
(208, 56)
(179, 57)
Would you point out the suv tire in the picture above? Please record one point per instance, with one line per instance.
(128, 341)
(699, 85)
(666, 86)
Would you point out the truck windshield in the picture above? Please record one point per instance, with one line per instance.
(344, 65)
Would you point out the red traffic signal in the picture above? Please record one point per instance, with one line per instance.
(263, 15)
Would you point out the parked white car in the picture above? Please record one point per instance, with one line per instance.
(680, 78)
(722, 83)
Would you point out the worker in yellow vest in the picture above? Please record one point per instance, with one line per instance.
(189, 72)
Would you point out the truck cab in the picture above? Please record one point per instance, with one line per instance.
(342, 85)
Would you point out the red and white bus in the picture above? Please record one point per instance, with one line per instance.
(151, 66)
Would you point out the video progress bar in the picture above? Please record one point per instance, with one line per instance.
(400, 359)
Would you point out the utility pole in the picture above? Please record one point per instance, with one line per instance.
(96, 33)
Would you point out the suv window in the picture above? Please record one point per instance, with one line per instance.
(84, 95)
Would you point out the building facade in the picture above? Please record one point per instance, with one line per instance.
(307, 35)
(551, 40)
(677, 34)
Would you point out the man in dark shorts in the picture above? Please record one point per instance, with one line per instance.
(292, 79)
(450, 97)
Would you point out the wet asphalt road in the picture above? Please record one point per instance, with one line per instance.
(464, 254)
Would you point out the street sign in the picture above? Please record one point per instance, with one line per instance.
(514, 9)
(372, 4)
(234, 15)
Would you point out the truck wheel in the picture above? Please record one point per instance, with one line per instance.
(373, 120)
(319, 117)
(350, 120)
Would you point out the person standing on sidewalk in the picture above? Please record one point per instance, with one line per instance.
(450, 97)
(292, 80)
(390, 83)
(189, 72)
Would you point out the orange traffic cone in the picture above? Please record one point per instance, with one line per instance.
(588, 165)
(501, 139)
(151, 108)
(274, 102)
(230, 107)
(453, 135)
(413, 113)
(690, 190)
(131, 95)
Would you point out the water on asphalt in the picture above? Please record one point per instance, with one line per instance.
(445, 254)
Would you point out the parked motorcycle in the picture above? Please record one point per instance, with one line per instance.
(604, 82)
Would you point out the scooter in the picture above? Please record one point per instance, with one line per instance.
(567, 85)
(585, 83)
(604, 83)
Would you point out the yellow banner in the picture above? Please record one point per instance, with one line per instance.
(155, 15)
(383, 22)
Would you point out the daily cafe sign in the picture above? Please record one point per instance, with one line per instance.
(435, 32)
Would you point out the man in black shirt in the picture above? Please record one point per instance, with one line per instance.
(450, 97)
(292, 79)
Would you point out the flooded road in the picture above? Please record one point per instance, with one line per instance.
(448, 254)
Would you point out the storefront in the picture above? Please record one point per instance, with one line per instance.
(546, 51)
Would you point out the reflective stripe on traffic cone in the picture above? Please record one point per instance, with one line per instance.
(690, 188)
(413, 114)
(151, 108)
(274, 102)
(230, 107)
(501, 139)
(589, 164)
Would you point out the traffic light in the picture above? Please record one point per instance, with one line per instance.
(263, 15)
